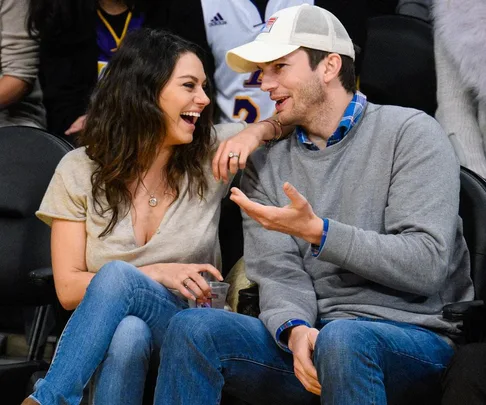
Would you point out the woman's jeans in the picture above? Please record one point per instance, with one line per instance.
(120, 378)
(362, 361)
(116, 292)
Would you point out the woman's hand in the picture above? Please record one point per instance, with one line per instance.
(185, 278)
(233, 152)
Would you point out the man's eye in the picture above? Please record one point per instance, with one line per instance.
(279, 66)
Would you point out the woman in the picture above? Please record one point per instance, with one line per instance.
(77, 39)
(138, 203)
(460, 35)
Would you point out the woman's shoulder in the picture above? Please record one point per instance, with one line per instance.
(76, 162)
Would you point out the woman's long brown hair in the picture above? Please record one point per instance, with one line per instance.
(125, 125)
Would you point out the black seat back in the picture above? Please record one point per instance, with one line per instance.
(472, 210)
(398, 64)
(28, 158)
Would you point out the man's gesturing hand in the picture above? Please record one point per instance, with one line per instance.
(302, 340)
(296, 219)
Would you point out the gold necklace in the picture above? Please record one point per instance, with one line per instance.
(153, 201)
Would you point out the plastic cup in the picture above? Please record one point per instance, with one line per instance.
(219, 290)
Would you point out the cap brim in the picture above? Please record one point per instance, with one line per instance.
(246, 57)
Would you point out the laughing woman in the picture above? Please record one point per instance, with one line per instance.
(134, 215)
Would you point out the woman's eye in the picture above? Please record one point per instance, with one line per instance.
(189, 85)
(279, 66)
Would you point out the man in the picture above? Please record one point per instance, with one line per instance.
(354, 270)
(220, 25)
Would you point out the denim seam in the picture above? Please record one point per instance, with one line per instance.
(409, 356)
(255, 362)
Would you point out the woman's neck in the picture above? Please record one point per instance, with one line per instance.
(113, 7)
(156, 170)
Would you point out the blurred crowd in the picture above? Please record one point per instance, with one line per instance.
(53, 51)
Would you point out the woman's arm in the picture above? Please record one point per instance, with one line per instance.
(68, 249)
(233, 152)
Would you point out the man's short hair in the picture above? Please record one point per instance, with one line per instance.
(347, 76)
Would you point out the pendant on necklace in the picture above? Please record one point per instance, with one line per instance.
(153, 201)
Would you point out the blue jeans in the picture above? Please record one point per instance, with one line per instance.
(360, 361)
(120, 378)
(117, 291)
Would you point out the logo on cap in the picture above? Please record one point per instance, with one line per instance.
(269, 25)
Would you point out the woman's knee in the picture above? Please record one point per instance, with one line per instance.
(132, 340)
(113, 276)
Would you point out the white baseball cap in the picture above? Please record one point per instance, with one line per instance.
(286, 31)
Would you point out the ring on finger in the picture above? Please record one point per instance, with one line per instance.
(184, 282)
(233, 155)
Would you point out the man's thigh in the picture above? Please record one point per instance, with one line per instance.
(404, 360)
(254, 368)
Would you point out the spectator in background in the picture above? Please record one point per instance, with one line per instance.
(77, 39)
(220, 25)
(20, 94)
(460, 54)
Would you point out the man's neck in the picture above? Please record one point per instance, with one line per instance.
(112, 7)
(327, 118)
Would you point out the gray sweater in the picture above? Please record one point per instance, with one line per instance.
(394, 248)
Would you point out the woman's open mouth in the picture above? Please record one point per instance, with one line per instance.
(190, 117)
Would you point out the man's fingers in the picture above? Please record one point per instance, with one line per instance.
(294, 196)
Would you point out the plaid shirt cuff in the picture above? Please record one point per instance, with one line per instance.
(289, 324)
(316, 249)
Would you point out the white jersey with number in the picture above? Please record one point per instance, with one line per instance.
(231, 23)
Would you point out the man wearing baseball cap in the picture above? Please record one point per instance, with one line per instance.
(353, 268)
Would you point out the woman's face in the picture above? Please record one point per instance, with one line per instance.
(183, 99)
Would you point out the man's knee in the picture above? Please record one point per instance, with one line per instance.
(196, 325)
(341, 339)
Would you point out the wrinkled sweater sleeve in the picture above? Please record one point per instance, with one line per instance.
(19, 53)
(274, 262)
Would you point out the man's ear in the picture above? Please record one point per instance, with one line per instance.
(331, 66)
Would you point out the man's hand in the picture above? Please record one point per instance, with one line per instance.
(302, 340)
(296, 219)
(76, 126)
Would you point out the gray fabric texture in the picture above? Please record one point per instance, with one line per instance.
(394, 248)
(460, 58)
(19, 58)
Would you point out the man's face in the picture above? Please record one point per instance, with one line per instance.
(297, 90)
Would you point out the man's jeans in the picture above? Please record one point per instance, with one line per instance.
(358, 362)
(117, 291)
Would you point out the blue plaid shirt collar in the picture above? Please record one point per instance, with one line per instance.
(351, 116)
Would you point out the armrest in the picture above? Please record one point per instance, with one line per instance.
(473, 317)
(458, 310)
(42, 276)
